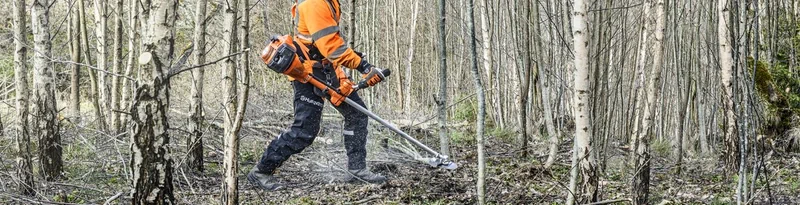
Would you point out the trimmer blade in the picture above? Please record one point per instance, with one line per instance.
(449, 165)
(442, 162)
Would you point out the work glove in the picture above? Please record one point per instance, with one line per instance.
(373, 75)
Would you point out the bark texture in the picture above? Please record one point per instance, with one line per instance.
(152, 165)
(22, 139)
(441, 101)
(487, 64)
(116, 122)
(195, 140)
(726, 64)
(583, 126)
(45, 123)
(641, 180)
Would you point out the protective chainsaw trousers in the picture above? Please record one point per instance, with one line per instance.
(307, 117)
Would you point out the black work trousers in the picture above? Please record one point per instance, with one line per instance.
(307, 116)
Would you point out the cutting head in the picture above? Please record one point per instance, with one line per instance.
(442, 161)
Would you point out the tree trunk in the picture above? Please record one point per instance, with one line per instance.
(234, 102)
(133, 36)
(152, 164)
(75, 56)
(583, 125)
(726, 63)
(22, 139)
(45, 123)
(441, 101)
(195, 140)
(352, 35)
(98, 114)
(683, 112)
(524, 87)
(101, 31)
(117, 67)
(481, 184)
(641, 180)
(400, 93)
(641, 78)
(407, 78)
(552, 135)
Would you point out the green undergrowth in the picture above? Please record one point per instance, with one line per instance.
(462, 137)
(661, 147)
(779, 91)
(504, 134)
(465, 111)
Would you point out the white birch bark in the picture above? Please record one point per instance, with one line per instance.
(583, 125)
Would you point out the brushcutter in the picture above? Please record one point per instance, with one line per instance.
(282, 56)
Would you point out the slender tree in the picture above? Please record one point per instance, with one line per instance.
(641, 78)
(94, 90)
(133, 48)
(152, 165)
(407, 77)
(525, 73)
(441, 101)
(195, 140)
(22, 139)
(230, 135)
(726, 63)
(582, 155)
(237, 34)
(544, 85)
(101, 32)
(45, 122)
(487, 64)
(641, 181)
(75, 55)
(116, 69)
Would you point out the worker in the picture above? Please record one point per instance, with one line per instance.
(317, 27)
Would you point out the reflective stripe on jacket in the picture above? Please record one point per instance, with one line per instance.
(318, 25)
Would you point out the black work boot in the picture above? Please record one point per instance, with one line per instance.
(263, 180)
(365, 175)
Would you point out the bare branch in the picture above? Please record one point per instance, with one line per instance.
(174, 72)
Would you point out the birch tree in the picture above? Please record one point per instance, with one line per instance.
(94, 90)
(151, 163)
(407, 77)
(544, 85)
(237, 34)
(641, 78)
(582, 155)
(133, 51)
(441, 101)
(726, 63)
(75, 55)
(116, 69)
(22, 139)
(641, 181)
(230, 134)
(487, 64)
(196, 120)
(45, 123)
(101, 31)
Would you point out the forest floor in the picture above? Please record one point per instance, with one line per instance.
(96, 170)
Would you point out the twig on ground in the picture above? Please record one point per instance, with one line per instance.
(365, 200)
(109, 200)
(25, 200)
(609, 201)
(80, 187)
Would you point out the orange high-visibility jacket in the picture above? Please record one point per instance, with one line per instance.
(318, 25)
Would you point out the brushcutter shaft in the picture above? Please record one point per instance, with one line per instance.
(392, 127)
